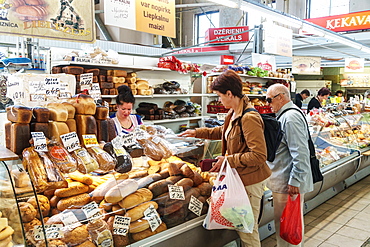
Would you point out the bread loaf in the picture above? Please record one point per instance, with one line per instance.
(80, 177)
(19, 114)
(101, 113)
(159, 187)
(74, 70)
(27, 210)
(106, 85)
(111, 129)
(86, 124)
(102, 129)
(121, 190)
(174, 179)
(87, 243)
(138, 211)
(176, 218)
(56, 129)
(173, 169)
(71, 123)
(109, 78)
(118, 240)
(105, 160)
(59, 155)
(100, 191)
(40, 115)
(95, 71)
(85, 163)
(185, 182)
(197, 178)
(101, 78)
(56, 70)
(70, 109)
(84, 104)
(43, 204)
(136, 198)
(139, 226)
(186, 171)
(169, 209)
(117, 72)
(58, 112)
(75, 236)
(148, 232)
(41, 127)
(74, 188)
(205, 189)
(75, 201)
(8, 135)
(18, 136)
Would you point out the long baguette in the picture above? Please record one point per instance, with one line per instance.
(100, 191)
(121, 190)
(78, 200)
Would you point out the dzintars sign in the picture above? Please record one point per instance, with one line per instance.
(343, 23)
(215, 33)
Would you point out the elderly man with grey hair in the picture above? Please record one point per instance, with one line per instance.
(291, 171)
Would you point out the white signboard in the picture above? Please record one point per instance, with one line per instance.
(120, 13)
(278, 40)
(306, 65)
(266, 62)
(354, 65)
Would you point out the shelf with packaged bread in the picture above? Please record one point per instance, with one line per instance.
(162, 96)
(254, 77)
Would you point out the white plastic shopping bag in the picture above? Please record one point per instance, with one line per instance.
(229, 205)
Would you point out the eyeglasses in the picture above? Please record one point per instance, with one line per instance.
(269, 100)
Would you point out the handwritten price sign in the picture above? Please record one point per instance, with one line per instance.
(195, 205)
(86, 81)
(91, 210)
(69, 219)
(39, 141)
(152, 217)
(52, 232)
(176, 192)
(15, 88)
(121, 225)
(70, 141)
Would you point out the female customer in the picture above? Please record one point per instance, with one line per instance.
(125, 121)
(249, 158)
(316, 102)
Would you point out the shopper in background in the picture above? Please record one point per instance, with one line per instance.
(291, 171)
(316, 102)
(338, 97)
(299, 97)
(367, 98)
(125, 122)
(248, 158)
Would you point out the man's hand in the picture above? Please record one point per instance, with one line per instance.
(292, 190)
(217, 166)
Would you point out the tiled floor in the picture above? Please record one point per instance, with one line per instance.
(342, 221)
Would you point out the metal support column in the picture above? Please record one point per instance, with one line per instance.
(258, 39)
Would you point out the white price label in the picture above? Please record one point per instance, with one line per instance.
(64, 95)
(91, 210)
(52, 86)
(15, 88)
(86, 81)
(121, 225)
(36, 87)
(128, 139)
(119, 151)
(117, 142)
(176, 192)
(69, 219)
(221, 116)
(95, 92)
(140, 133)
(70, 141)
(52, 232)
(82, 59)
(37, 97)
(39, 141)
(195, 205)
(152, 217)
(90, 140)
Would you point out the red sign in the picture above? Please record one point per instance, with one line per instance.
(203, 49)
(346, 22)
(215, 33)
(227, 59)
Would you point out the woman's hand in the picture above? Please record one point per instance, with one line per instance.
(217, 166)
(188, 133)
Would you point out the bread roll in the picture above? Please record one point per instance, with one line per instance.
(138, 211)
(136, 198)
(77, 200)
(74, 188)
(121, 190)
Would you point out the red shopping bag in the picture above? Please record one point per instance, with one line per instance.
(291, 221)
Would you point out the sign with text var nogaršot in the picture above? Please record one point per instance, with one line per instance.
(57, 19)
(150, 16)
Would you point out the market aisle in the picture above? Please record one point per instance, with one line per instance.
(341, 221)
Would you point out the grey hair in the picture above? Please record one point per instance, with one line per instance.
(279, 88)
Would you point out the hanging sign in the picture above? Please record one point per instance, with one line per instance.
(266, 62)
(306, 65)
(150, 16)
(278, 40)
(354, 65)
(56, 19)
(346, 22)
(215, 33)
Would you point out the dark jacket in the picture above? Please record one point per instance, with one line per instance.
(248, 158)
(298, 100)
(314, 103)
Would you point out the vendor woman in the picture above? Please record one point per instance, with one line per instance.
(125, 122)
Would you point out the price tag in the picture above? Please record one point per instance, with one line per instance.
(95, 92)
(90, 140)
(208, 200)
(15, 88)
(152, 217)
(121, 225)
(53, 231)
(39, 141)
(82, 59)
(36, 87)
(70, 141)
(176, 192)
(140, 133)
(91, 210)
(37, 97)
(156, 139)
(86, 81)
(117, 142)
(52, 86)
(69, 219)
(221, 116)
(195, 205)
(128, 139)
(64, 95)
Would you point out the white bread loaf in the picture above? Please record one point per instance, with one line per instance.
(71, 109)
(84, 104)
(58, 112)
(121, 190)
(71, 123)
(56, 129)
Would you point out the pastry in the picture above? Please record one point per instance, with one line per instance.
(43, 203)
(28, 212)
